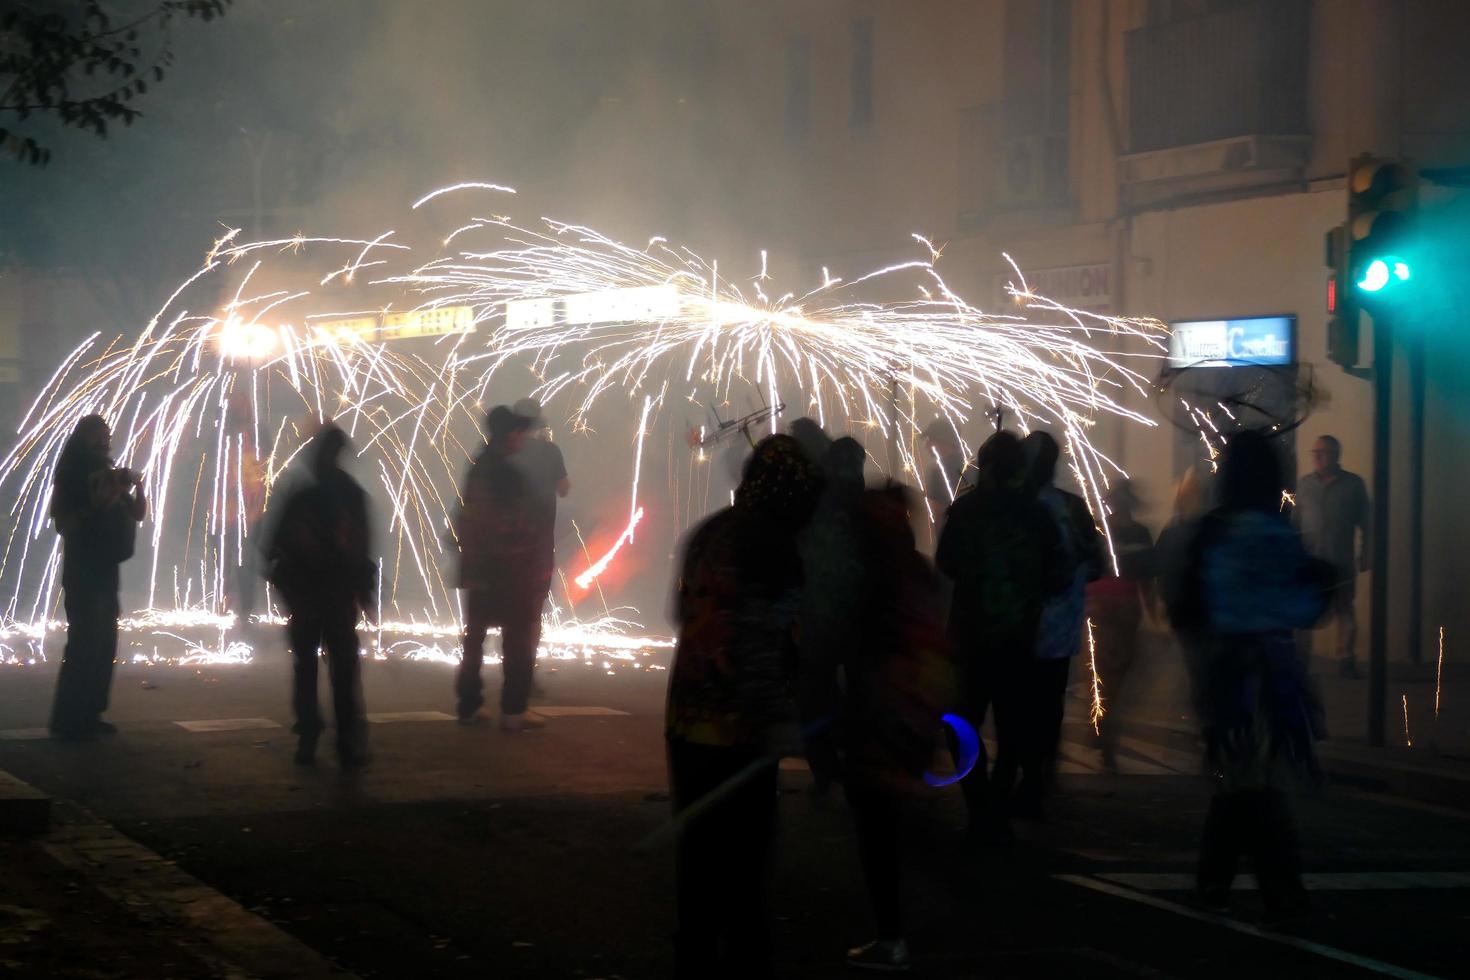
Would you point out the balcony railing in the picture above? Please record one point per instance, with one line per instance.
(1233, 72)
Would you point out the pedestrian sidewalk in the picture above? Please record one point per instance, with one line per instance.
(1426, 756)
(83, 900)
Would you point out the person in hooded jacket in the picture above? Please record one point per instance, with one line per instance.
(732, 712)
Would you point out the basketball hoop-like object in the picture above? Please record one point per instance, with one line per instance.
(1221, 400)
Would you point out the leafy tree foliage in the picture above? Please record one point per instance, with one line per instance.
(83, 67)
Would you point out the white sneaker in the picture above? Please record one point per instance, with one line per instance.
(890, 955)
(526, 721)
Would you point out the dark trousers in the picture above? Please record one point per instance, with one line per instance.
(998, 688)
(877, 814)
(519, 619)
(331, 626)
(1043, 697)
(85, 679)
(1257, 822)
(720, 860)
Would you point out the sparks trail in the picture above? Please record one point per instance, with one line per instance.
(309, 327)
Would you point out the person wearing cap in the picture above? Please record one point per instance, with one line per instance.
(500, 572)
(317, 558)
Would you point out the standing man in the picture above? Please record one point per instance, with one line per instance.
(318, 558)
(96, 509)
(1002, 550)
(540, 460)
(504, 571)
(1331, 509)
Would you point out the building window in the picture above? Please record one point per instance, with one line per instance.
(1231, 69)
(1038, 64)
(862, 73)
(799, 87)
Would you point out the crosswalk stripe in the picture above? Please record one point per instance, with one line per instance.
(227, 724)
(574, 710)
(1319, 881)
(24, 734)
(1184, 762)
(389, 717)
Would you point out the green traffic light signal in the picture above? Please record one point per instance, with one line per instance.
(1383, 272)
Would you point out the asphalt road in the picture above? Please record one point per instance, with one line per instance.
(467, 852)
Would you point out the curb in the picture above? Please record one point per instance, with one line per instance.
(216, 930)
(24, 810)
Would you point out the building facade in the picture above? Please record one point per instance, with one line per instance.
(1172, 158)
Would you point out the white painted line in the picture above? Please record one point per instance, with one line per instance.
(24, 734)
(1188, 763)
(1322, 881)
(574, 710)
(388, 717)
(1225, 922)
(227, 724)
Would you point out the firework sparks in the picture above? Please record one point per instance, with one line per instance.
(1408, 740)
(1097, 712)
(204, 401)
(1438, 675)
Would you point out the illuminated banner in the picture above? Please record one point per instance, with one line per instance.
(1261, 341)
(403, 326)
(633, 304)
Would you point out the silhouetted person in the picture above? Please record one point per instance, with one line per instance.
(1001, 549)
(1059, 636)
(833, 571)
(318, 556)
(96, 509)
(1115, 604)
(1171, 560)
(1249, 584)
(812, 437)
(505, 571)
(893, 694)
(731, 713)
(1331, 509)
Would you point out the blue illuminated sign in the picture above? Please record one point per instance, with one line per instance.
(1260, 341)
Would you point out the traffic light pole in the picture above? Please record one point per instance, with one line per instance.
(1416, 495)
(1378, 629)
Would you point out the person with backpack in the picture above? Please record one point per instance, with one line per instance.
(96, 508)
(318, 560)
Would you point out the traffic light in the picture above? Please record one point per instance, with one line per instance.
(1383, 194)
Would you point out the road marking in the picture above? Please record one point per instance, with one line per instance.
(1325, 881)
(575, 710)
(1188, 763)
(1199, 915)
(227, 724)
(388, 717)
(24, 734)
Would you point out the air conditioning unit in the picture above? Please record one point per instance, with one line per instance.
(1033, 172)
